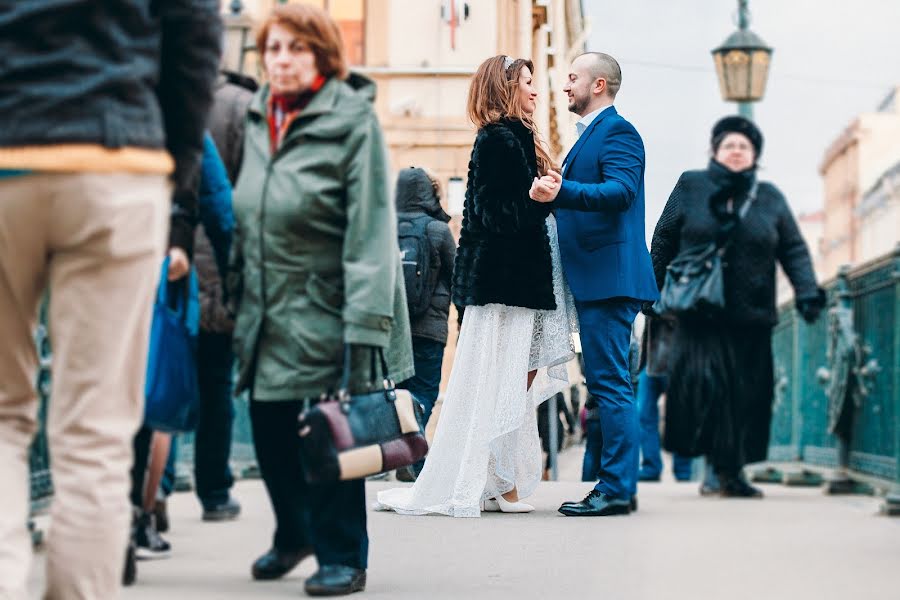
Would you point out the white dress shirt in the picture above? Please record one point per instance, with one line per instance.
(585, 121)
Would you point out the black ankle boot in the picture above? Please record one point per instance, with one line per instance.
(275, 563)
(336, 580)
(739, 487)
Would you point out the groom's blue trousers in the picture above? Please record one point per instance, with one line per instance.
(612, 450)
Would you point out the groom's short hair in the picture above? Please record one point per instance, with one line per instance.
(606, 67)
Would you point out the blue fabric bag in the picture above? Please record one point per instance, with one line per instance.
(171, 388)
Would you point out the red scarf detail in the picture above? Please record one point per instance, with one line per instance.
(285, 108)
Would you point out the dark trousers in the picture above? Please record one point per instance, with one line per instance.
(612, 450)
(650, 388)
(141, 445)
(212, 438)
(330, 518)
(212, 441)
(425, 385)
(543, 424)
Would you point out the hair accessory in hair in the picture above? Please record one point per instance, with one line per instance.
(507, 62)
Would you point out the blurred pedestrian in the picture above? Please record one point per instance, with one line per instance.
(315, 266)
(719, 399)
(427, 251)
(516, 329)
(651, 386)
(543, 423)
(151, 451)
(99, 102)
(155, 450)
(215, 358)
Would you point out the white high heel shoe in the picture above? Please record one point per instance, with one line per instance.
(500, 504)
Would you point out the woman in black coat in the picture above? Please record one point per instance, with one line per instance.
(514, 338)
(719, 400)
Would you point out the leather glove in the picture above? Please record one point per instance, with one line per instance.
(811, 308)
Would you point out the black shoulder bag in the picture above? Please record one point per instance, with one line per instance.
(695, 281)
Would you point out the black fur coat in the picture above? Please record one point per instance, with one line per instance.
(504, 251)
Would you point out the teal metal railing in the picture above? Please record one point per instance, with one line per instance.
(837, 382)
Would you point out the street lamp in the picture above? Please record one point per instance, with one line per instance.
(742, 63)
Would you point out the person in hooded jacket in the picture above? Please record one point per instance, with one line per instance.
(315, 267)
(417, 197)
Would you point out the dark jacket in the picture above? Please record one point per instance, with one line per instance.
(504, 252)
(213, 240)
(226, 120)
(600, 213)
(416, 196)
(316, 249)
(118, 73)
(768, 233)
(226, 125)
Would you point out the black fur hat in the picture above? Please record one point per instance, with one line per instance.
(737, 124)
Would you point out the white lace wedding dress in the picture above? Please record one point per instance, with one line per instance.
(487, 441)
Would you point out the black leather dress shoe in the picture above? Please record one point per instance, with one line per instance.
(596, 504)
(632, 504)
(275, 564)
(336, 580)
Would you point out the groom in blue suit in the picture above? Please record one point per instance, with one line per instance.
(599, 205)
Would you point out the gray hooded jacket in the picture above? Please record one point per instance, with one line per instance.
(415, 195)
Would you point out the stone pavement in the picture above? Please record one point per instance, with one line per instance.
(796, 544)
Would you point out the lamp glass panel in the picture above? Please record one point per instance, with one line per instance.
(737, 74)
(760, 75)
(720, 72)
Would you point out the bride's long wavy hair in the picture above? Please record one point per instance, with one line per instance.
(493, 95)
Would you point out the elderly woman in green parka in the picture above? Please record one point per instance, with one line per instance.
(316, 249)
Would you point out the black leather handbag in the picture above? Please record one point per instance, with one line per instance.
(695, 279)
(354, 436)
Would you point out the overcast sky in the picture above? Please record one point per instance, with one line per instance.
(833, 60)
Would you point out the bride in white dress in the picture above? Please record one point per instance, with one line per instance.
(516, 333)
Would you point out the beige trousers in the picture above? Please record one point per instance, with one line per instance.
(96, 240)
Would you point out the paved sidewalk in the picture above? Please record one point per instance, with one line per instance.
(796, 544)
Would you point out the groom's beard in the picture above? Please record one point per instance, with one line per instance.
(578, 105)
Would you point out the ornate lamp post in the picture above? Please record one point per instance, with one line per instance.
(742, 63)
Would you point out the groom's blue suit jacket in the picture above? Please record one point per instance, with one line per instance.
(600, 214)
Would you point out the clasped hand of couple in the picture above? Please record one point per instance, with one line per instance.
(546, 188)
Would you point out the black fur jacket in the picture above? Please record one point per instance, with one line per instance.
(504, 251)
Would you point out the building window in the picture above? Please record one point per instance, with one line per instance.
(456, 196)
(350, 16)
